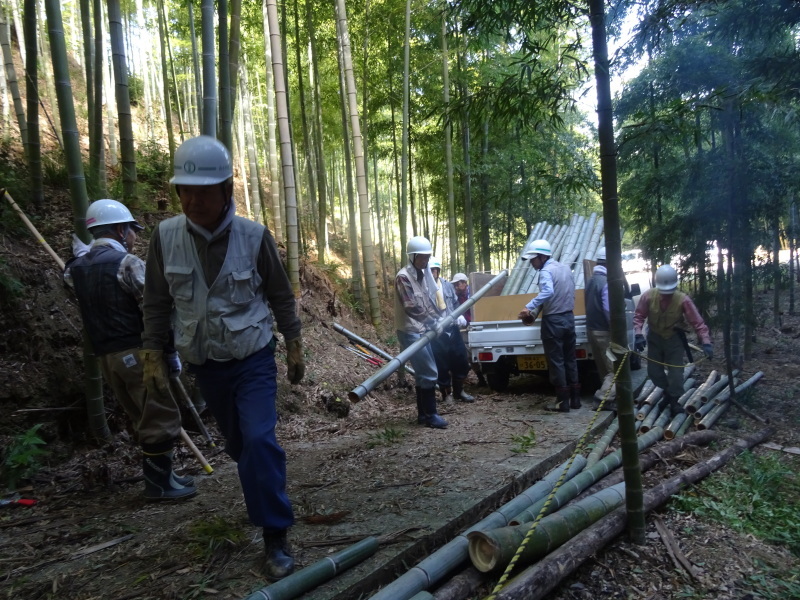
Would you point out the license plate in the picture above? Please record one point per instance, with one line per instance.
(532, 362)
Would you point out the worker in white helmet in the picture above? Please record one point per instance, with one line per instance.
(219, 280)
(556, 300)
(108, 280)
(416, 311)
(668, 313)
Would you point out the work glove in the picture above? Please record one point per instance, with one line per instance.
(294, 360)
(708, 350)
(527, 317)
(173, 364)
(78, 247)
(640, 343)
(462, 321)
(155, 372)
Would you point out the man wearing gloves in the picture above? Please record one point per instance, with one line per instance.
(667, 312)
(108, 281)
(556, 299)
(449, 350)
(415, 313)
(217, 279)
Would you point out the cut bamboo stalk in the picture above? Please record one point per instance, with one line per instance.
(696, 399)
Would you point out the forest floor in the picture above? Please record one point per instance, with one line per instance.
(372, 472)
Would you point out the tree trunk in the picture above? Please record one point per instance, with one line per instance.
(198, 82)
(235, 49)
(319, 155)
(80, 200)
(123, 102)
(292, 245)
(404, 144)
(34, 148)
(367, 247)
(98, 148)
(88, 59)
(176, 87)
(485, 245)
(448, 154)
(250, 145)
(162, 31)
(225, 92)
(613, 244)
(209, 74)
(278, 207)
(50, 88)
(11, 78)
(355, 259)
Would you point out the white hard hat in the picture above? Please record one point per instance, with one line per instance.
(601, 254)
(459, 277)
(666, 279)
(538, 247)
(109, 212)
(435, 263)
(202, 160)
(419, 245)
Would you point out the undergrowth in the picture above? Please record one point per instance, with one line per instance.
(758, 495)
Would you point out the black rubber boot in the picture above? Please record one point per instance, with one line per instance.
(420, 411)
(562, 400)
(674, 406)
(430, 416)
(458, 392)
(160, 482)
(279, 563)
(575, 396)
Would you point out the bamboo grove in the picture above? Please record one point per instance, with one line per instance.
(355, 125)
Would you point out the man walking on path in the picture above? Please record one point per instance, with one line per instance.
(668, 313)
(556, 299)
(108, 281)
(217, 279)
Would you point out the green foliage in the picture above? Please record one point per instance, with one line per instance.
(135, 89)
(387, 437)
(759, 495)
(773, 583)
(54, 170)
(208, 536)
(10, 287)
(22, 457)
(524, 442)
(153, 171)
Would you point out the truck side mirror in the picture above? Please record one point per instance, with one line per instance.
(635, 290)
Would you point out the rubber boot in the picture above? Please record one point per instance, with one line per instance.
(674, 406)
(431, 418)
(575, 396)
(458, 392)
(562, 400)
(420, 411)
(447, 394)
(279, 563)
(160, 482)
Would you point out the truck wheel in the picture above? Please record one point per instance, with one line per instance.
(498, 381)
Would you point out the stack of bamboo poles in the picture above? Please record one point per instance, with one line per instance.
(571, 244)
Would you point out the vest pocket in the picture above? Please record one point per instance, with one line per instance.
(243, 286)
(245, 330)
(181, 282)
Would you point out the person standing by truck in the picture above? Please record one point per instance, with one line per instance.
(556, 301)
(449, 350)
(415, 313)
(598, 322)
(667, 312)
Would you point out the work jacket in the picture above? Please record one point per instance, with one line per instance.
(421, 304)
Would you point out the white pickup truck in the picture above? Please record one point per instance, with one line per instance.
(499, 342)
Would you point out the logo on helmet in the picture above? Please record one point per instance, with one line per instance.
(189, 167)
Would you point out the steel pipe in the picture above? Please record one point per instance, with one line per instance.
(359, 340)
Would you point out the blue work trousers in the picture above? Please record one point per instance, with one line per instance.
(451, 357)
(241, 396)
(422, 362)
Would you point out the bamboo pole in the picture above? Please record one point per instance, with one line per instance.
(539, 580)
(33, 230)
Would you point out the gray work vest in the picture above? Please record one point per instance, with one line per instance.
(563, 298)
(402, 322)
(230, 319)
(596, 318)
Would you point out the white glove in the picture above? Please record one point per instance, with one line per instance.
(78, 247)
(462, 321)
(173, 361)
